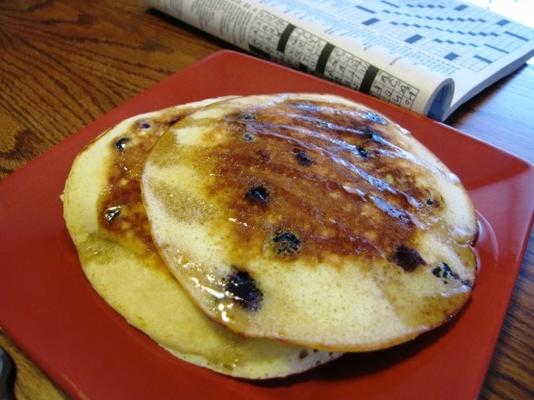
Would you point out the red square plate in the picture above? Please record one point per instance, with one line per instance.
(50, 310)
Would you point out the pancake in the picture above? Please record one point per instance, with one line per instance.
(310, 219)
(106, 219)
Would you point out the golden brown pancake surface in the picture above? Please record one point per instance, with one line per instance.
(311, 219)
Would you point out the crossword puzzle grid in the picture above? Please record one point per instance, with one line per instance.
(346, 68)
(398, 92)
(459, 33)
(276, 38)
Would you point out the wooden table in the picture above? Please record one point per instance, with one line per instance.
(64, 63)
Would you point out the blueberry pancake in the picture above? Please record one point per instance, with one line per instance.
(108, 224)
(310, 219)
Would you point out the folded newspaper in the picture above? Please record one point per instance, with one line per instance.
(427, 56)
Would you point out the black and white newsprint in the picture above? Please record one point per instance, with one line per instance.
(427, 56)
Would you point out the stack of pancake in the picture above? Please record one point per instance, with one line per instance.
(261, 236)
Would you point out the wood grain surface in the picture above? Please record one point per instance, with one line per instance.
(64, 63)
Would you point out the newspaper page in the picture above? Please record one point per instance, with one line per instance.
(403, 53)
